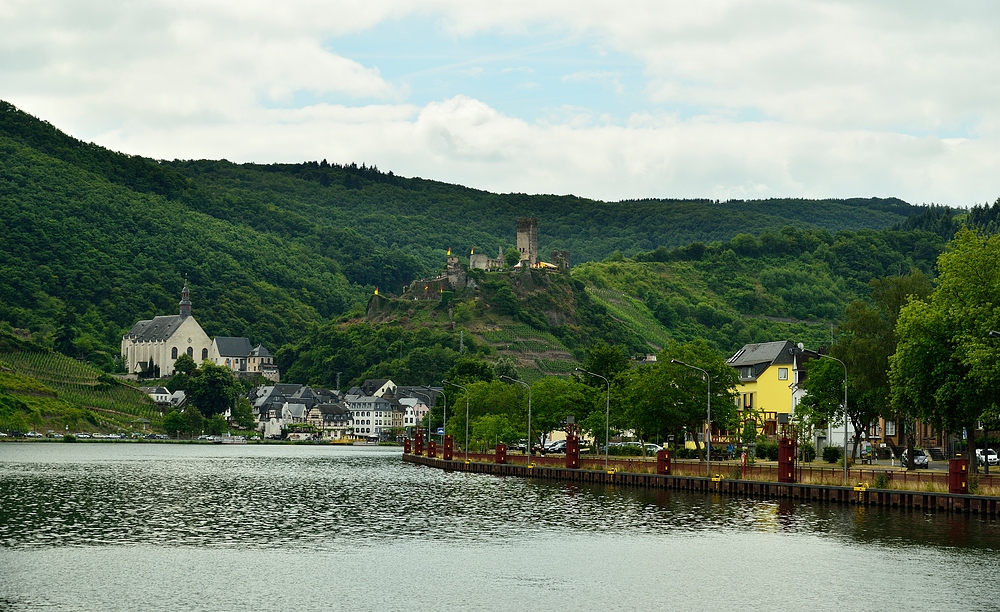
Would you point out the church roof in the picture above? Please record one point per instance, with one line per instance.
(155, 329)
(260, 351)
(233, 347)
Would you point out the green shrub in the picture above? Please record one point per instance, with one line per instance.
(624, 451)
(767, 451)
(69, 438)
(807, 450)
(831, 454)
(881, 481)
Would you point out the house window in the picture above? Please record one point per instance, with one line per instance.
(173, 353)
(782, 373)
(890, 428)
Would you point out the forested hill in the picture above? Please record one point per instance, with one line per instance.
(94, 240)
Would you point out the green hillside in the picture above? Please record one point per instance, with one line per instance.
(41, 389)
(95, 240)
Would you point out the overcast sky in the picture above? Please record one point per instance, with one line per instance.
(610, 100)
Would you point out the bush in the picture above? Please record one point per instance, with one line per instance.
(624, 451)
(767, 451)
(881, 481)
(807, 450)
(69, 438)
(831, 454)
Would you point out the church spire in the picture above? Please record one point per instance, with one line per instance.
(185, 300)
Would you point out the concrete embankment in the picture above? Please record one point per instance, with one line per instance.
(924, 501)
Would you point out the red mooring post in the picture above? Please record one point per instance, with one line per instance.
(786, 460)
(449, 448)
(432, 449)
(406, 446)
(663, 461)
(500, 455)
(572, 452)
(958, 475)
(418, 444)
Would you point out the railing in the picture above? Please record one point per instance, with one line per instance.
(761, 470)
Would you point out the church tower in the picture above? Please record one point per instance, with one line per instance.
(185, 300)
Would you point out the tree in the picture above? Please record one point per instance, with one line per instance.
(665, 398)
(607, 360)
(242, 415)
(945, 365)
(505, 365)
(215, 425)
(213, 390)
(554, 399)
(174, 423)
(185, 364)
(511, 257)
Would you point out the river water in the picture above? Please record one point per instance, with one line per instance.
(203, 527)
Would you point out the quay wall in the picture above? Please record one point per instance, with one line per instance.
(924, 501)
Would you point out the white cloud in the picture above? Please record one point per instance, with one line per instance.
(746, 99)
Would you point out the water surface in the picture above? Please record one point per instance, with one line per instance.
(204, 527)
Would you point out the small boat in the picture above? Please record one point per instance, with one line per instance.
(230, 440)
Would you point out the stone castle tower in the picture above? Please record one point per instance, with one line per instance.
(527, 240)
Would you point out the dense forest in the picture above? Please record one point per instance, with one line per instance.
(95, 240)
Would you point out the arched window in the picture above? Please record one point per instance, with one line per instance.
(190, 352)
(173, 353)
(204, 354)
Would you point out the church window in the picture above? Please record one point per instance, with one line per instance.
(190, 352)
(204, 354)
(173, 353)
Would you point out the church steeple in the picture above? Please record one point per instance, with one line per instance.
(185, 300)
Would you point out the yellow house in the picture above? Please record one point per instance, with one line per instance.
(767, 382)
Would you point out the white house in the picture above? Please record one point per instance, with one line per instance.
(370, 416)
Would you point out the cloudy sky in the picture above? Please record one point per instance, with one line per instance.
(611, 100)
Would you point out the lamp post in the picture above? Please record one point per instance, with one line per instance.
(428, 415)
(708, 432)
(521, 382)
(798, 350)
(444, 415)
(607, 415)
(463, 388)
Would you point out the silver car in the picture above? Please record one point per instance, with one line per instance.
(920, 458)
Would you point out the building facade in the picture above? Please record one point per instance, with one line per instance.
(152, 346)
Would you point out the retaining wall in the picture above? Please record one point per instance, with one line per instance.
(887, 498)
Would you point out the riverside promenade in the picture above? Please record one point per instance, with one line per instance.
(636, 473)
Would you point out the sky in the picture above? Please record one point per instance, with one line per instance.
(713, 99)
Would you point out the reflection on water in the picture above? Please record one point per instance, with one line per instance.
(188, 523)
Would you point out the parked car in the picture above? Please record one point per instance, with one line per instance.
(652, 449)
(989, 456)
(559, 446)
(34, 434)
(920, 458)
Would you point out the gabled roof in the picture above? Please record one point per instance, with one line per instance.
(233, 347)
(260, 351)
(155, 329)
(761, 353)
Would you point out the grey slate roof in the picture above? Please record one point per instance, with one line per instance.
(763, 352)
(260, 351)
(233, 347)
(155, 329)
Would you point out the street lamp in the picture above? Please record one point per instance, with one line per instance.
(444, 416)
(521, 382)
(428, 415)
(800, 349)
(463, 388)
(607, 415)
(708, 432)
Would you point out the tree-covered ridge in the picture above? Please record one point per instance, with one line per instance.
(436, 216)
(789, 284)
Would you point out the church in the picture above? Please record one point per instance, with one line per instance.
(150, 348)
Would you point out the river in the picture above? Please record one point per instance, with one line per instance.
(92, 526)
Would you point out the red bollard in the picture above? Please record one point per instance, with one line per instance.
(572, 453)
(958, 475)
(406, 446)
(786, 460)
(432, 449)
(501, 454)
(449, 447)
(663, 461)
(418, 444)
